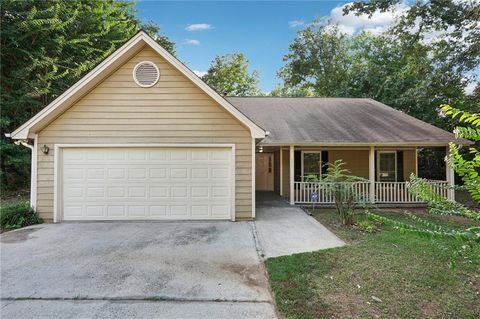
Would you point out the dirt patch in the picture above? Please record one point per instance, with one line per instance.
(253, 276)
(289, 284)
(349, 305)
(429, 309)
(186, 236)
(18, 236)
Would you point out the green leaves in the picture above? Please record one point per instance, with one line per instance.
(454, 24)
(438, 204)
(430, 231)
(47, 46)
(18, 214)
(472, 119)
(229, 75)
(341, 184)
(467, 166)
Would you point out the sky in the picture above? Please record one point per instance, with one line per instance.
(260, 30)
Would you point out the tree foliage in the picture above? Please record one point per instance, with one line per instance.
(451, 28)
(229, 75)
(322, 61)
(46, 47)
(437, 204)
(467, 166)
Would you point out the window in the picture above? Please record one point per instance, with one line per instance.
(387, 166)
(311, 165)
(270, 164)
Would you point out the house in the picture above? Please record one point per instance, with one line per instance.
(142, 137)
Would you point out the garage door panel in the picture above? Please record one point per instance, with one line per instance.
(146, 183)
(170, 210)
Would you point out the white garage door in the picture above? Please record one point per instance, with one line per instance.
(146, 183)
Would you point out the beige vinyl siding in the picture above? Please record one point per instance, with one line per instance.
(118, 111)
(356, 160)
(409, 164)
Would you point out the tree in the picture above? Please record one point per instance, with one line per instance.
(318, 60)
(287, 91)
(467, 166)
(46, 47)
(229, 75)
(451, 28)
(328, 62)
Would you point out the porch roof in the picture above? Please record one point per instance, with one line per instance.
(338, 121)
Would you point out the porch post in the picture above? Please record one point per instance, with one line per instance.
(281, 171)
(450, 178)
(416, 161)
(292, 175)
(371, 173)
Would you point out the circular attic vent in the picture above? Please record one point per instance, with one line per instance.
(146, 74)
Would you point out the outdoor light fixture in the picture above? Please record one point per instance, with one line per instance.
(260, 149)
(45, 149)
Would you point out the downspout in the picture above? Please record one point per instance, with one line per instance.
(33, 168)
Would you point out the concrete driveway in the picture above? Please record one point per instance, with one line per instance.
(152, 269)
(134, 270)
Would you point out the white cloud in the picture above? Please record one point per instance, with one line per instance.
(470, 87)
(192, 42)
(377, 23)
(296, 23)
(198, 27)
(199, 73)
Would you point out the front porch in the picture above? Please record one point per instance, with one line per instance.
(289, 171)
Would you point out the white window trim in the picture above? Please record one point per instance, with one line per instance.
(57, 169)
(378, 163)
(319, 164)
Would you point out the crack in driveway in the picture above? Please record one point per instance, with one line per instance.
(126, 299)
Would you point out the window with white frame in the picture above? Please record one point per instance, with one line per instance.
(311, 165)
(387, 166)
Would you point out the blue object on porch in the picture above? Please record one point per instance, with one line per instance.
(314, 197)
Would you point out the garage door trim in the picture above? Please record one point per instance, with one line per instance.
(58, 164)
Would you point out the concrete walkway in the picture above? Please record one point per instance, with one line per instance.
(284, 230)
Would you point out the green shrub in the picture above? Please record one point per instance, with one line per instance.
(341, 184)
(17, 215)
(367, 226)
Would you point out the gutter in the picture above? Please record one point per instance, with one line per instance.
(33, 167)
(24, 143)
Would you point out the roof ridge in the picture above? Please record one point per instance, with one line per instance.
(298, 97)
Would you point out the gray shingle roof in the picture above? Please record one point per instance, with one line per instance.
(336, 121)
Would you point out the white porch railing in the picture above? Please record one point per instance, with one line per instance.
(303, 192)
(384, 192)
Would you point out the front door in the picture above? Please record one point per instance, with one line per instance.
(264, 172)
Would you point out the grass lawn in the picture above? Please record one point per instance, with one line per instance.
(377, 275)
